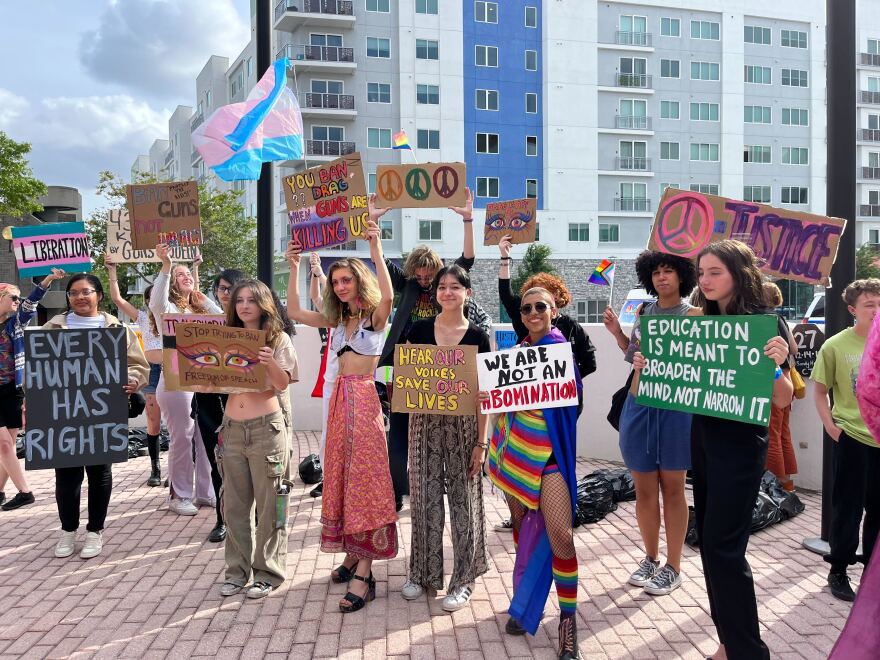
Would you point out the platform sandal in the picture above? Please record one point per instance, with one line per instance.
(352, 602)
(343, 573)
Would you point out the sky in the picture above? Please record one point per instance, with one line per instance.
(90, 84)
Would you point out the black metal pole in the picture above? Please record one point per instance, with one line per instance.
(840, 51)
(265, 250)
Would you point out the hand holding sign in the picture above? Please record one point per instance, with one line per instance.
(777, 350)
(56, 274)
(293, 253)
(376, 212)
(164, 255)
(466, 211)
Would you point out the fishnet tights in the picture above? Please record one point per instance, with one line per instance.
(556, 507)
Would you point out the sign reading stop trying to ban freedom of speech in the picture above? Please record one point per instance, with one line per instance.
(711, 365)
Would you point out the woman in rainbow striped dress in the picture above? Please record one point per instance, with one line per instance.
(532, 459)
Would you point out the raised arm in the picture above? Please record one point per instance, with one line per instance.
(28, 306)
(508, 300)
(467, 217)
(115, 294)
(383, 310)
(159, 303)
(317, 282)
(295, 312)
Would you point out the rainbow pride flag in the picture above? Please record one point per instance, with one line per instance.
(604, 274)
(401, 141)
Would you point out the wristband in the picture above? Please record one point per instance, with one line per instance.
(778, 373)
(467, 221)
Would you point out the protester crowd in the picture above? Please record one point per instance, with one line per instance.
(233, 453)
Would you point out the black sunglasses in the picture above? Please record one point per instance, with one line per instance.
(15, 298)
(540, 307)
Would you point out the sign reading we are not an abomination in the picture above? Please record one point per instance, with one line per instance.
(218, 358)
(164, 213)
(438, 380)
(77, 409)
(120, 247)
(427, 186)
(710, 365)
(528, 377)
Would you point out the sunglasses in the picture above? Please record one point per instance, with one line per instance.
(540, 308)
(15, 298)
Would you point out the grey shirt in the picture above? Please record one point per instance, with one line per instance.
(651, 309)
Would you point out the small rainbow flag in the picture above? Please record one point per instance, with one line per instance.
(401, 141)
(604, 274)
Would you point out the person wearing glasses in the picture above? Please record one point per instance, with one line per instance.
(84, 294)
(15, 313)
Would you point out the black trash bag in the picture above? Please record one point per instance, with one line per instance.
(164, 439)
(691, 538)
(621, 481)
(310, 469)
(19, 445)
(765, 513)
(789, 504)
(595, 500)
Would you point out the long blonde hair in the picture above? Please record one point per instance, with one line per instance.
(368, 297)
(270, 319)
(184, 303)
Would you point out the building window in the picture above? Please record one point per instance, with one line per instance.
(532, 188)
(795, 195)
(487, 143)
(757, 154)
(430, 230)
(427, 49)
(317, 39)
(795, 156)
(531, 103)
(704, 151)
(327, 87)
(669, 150)
(428, 94)
(874, 236)
(874, 49)
(331, 133)
(874, 197)
(705, 30)
(531, 145)
(378, 92)
(379, 138)
(760, 194)
(705, 71)
(874, 159)
(795, 117)
(670, 69)
(634, 197)
(794, 39)
(377, 47)
(485, 12)
(757, 35)
(371, 182)
(487, 186)
(208, 97)
(487, 56)
(378, 5)
(591, 311)
(609, 233)
(427, 139)
(758, 114)
(531, 60)
(387, 229)
(704, 111)
(874, 122)
(426, 7)
(250, 66)
(669, 110)
(487, 99)
(704, 188)
(758, 75)
(795, 78)
(531, 17)
(670, 27)
(664, 186)
(873, 84)
(579, 231)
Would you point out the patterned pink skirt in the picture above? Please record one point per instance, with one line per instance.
(358, 514)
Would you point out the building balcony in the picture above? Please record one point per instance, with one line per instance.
(869, 59)
(868, 135)
(623, 38)
(338, 106)
(638, 163)
(322, 151)
(293, 14)
(634, 80)
(196, 121)
(196, 156)
(641, 204)
(870, 173)
(869, 97)
(869, 210)
(169, 157)
(633, 123)
(327, 59)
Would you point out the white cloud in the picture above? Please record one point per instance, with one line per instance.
(159, 46)
(11, 106)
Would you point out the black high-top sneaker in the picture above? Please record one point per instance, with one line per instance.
(568, 639)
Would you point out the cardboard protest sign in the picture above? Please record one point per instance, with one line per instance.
(438, 380)
(77, 409)
(427, 186)
(331, 195)
(505, 339)
(527, 378)
(710, 365)
(517, 218)
(164, 213)
(40, 248)
(809, 340)
(791, 244)
(119, 243)
(316, 233)
(216, 358)
(170, 364)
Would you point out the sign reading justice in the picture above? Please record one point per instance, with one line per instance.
(440, 380)
(432, 185)
(164, 213)
(217, 358)
(119, 243)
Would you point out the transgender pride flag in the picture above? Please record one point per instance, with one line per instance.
(238, 138)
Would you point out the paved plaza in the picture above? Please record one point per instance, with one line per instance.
(153, 592)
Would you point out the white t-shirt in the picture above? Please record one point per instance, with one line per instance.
(77, 321)
(151, 341)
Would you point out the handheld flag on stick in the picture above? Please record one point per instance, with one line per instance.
(401, 141)
(603, 275)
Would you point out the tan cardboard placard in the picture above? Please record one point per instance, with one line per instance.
(438, 380)
(517, 218)
(164, 213)
(790, 244)
(120, 247)
(170, 368)
(217, 358)
(427, 186)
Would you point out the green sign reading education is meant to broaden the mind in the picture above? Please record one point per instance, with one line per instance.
(710, 365)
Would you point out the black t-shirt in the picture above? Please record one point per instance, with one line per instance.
(422, 332)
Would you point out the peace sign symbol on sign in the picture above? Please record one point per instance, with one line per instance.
(418, 184)
(389, 185)
(442, 184)
(684, 225)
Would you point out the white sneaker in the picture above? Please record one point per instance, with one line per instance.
(458, 598)
(411, 590)
(183, 506)
(665, 581)
(92, 547)
(205, 501)
(64, 547)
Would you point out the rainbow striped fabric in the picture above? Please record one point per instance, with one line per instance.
(518, 452)
(604, 274)
(401, 141)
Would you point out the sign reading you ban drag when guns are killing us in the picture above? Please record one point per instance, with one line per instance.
(790, 244)
(40, 248)
(217, 358)
(77, 409)
(440, 380)
(164, 213)
(120, 247)
(427, 186)
(528, 377)
(711, 365)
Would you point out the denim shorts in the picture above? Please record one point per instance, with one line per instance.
(653, 439)
(155, 372)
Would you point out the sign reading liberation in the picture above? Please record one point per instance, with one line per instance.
(440, 380)
(710, 365)
(40, 248)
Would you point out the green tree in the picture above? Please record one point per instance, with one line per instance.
(19, 190)
(867, 261)
(536, 260)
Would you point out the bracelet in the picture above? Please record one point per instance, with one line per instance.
(778, 373)
(481, 446)
(467, 220)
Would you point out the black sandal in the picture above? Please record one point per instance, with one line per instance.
(343, 573)
(356, 602)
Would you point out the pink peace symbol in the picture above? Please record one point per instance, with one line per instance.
(684, 224)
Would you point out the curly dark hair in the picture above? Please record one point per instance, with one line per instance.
(649, 261)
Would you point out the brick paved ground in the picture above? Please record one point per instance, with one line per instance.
(153, 592)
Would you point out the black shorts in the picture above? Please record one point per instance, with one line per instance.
(11, 399)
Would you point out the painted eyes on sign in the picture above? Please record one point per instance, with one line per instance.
(518, 222)
(201, 355)
(239, 357)
(495, 221)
